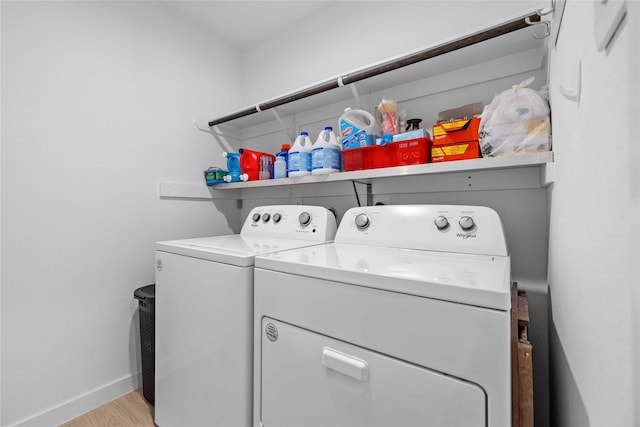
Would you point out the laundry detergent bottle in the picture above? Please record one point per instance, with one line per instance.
(326, 154)
(300, 156)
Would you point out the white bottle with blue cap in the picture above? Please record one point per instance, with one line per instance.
(326, 154)
(300, 156)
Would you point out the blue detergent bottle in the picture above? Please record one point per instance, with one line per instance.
(233, 164)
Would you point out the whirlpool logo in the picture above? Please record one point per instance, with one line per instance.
(466, 235)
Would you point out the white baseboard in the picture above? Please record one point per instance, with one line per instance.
(83, 404)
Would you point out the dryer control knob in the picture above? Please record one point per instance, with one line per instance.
(266, 217)
(255, 217)
(362, 221)
(441, 222)
(466, 223)
(277, 217)
(304, 218)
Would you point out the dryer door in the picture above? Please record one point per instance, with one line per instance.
(310, 379)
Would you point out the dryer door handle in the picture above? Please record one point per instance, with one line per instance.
(345, 364)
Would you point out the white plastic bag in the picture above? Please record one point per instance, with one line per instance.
(516, 121)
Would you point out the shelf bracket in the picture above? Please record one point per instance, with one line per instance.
(195, 123)
(538, 21)
(221, 140)
(217, 134)
(547, 31)
(354, 90)
(284, 128)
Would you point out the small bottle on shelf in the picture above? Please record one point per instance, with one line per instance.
(280, 167)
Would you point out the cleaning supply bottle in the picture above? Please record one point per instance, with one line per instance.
(300, 156)
(284, 152)
(233, 164)
(280, 167)
(281, 164)
(326, 154)
(358, 128)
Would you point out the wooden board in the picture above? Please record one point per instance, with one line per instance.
(515, 372)
(521, 360)
(525, 373)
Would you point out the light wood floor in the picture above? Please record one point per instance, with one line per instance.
(130, 410)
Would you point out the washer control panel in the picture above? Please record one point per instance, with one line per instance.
(446, 228)
(291, 221)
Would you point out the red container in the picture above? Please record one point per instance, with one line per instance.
(412, 152)
(353, 159)
(380, 156)
(256, 165)
(401, 153)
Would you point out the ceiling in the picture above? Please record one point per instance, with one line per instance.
(244, 23)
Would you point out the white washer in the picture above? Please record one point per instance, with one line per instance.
(403, 321)
(204, 315)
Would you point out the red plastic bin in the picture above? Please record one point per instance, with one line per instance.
(400, 153)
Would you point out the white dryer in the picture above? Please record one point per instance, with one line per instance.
(204, 315)
(403, 321)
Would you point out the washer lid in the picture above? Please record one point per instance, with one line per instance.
(233, 249)
(479, 280)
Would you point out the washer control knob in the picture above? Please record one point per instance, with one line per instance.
(304, 218)
(466, 223)
(277, 217)
(255, 217)
(441, 222)
(362, 221)
(266, 217)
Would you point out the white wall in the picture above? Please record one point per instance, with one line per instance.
(349, 35)
(97, 107)
(594, 230)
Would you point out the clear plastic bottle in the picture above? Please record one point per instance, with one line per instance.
(300, 156)
(284, 152)
(280, 167)
(326, 153)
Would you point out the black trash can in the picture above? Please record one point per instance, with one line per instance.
(146, 297)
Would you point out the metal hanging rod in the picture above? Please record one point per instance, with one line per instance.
(412, 58)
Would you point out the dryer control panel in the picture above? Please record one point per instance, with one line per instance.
(443, 228)
(304, 222)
